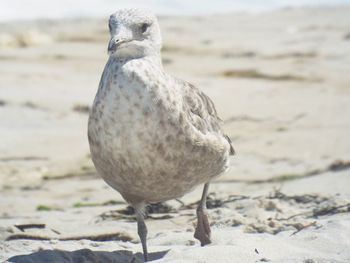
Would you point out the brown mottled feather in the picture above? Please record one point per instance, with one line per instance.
(202, 112)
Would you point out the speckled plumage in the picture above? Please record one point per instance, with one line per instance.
(152, 137)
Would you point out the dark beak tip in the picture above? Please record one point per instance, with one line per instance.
(111, 47)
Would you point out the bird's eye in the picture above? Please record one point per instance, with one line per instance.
(144, 27)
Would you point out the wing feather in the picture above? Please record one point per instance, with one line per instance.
(202, 113)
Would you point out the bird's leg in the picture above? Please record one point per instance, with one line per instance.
(142, 231)
(202, 232)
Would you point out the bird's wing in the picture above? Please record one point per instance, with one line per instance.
(201, 111)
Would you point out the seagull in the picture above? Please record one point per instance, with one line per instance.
(152, 137)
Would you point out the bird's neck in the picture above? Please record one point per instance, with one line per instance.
(154, 58)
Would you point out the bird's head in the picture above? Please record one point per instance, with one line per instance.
(134, 33)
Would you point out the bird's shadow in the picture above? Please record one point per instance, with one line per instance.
(85, 255)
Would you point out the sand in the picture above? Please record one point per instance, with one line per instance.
(280, 81)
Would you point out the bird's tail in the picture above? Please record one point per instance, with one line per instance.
(232, 150)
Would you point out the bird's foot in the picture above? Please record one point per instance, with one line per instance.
(202, 232)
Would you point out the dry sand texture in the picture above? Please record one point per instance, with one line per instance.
(281, 83)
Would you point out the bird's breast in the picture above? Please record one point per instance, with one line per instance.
(139, 139)
(129, 131)
(124, 116)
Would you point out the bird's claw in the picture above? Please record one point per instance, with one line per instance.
(202, 232)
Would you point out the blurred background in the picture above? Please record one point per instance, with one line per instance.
(36, 9)
(277, 71)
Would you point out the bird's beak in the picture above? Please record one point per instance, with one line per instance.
(121, 37)
(113, 44)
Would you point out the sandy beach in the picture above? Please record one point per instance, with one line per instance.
(280, 81)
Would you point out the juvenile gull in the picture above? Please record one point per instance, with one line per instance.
(153, 137)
